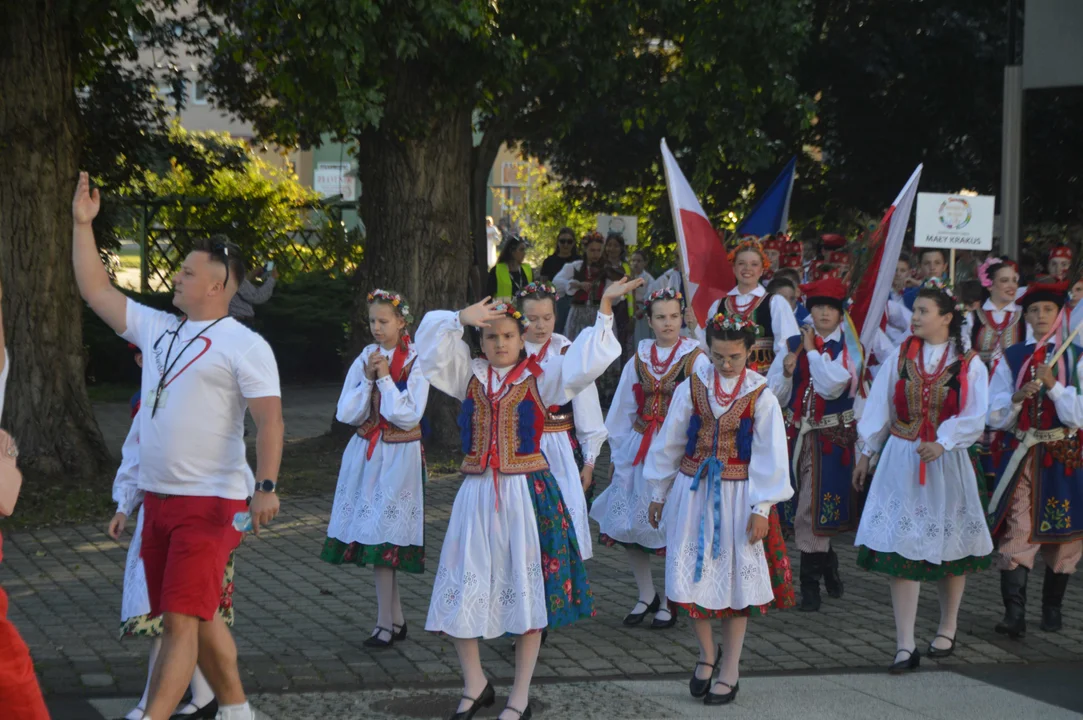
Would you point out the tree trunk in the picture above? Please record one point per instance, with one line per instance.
(47, 408)
(415, 202)
(481, 164)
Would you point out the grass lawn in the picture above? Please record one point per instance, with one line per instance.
(130, 256)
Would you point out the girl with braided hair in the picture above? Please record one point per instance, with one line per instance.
(923, 518)
(725, 557)
(378, 516)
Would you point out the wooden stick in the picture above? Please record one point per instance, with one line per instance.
(1067, 342)
(952, 263)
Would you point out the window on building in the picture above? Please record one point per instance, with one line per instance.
(199, 93)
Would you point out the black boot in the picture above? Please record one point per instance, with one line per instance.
(812, 567)
(1053, 588)
(832, 579)
(1013, 588)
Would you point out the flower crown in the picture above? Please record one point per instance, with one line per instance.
(513, 313)
(753, 244)
(662, 294)
(722, 321)
(542, 288)
(983, 270)
(396, 300)
(592, 236)
(948, 289)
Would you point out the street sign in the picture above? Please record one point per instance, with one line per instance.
(333, 178)
(623, 225)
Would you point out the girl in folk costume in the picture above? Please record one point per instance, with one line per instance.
(584, 281)
(510, 563)
(135, 620)
(1039, 478)
(923, 518)
(725, 442)
(378, 517)
(638, 410)
(774, 320)
(816, 382)
(574, 431)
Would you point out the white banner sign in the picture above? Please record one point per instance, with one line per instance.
(623, 225)
(964, 222)
(332, 178)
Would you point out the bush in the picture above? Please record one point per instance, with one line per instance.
(306, 323)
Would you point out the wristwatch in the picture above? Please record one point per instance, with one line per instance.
(265, 486)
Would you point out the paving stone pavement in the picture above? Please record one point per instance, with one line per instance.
(301, 622)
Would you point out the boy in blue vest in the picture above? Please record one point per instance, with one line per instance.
(1039, 476)
(815, 384)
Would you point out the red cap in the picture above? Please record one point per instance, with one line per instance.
(1054, 292)
(828, 287)
(1061, 251)
(790, 261)
(792, 247)
(838, 257)
(824, 270)
(833, 242)
(773, 244)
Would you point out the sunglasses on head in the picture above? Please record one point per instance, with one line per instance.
(228, 251)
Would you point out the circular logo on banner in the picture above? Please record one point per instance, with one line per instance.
(955, 213)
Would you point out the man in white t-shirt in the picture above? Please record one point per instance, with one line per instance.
(200, 373)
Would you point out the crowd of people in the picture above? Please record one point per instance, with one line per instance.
(950, 446)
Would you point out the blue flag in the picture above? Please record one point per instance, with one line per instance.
(772, 213)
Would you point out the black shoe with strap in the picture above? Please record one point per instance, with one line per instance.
(524, 714)
(1053, 588)
(713, 698)
(399, 631)
(657, 624)
(376, 640)
(832, 579)
(1013, 590)
(911, 662)
(207, 712)
(635, 618)
(935, 652)
(485, 699)
(698, 687)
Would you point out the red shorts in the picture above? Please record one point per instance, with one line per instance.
(20, 695)
(186, 544)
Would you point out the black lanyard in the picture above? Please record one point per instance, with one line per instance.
(169, 351)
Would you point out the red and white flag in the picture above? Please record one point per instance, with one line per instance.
(708, 275)
(870, 298)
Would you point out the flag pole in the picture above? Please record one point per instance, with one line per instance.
(676, 214)
(952, 263)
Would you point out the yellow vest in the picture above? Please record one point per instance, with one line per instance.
(503, 280)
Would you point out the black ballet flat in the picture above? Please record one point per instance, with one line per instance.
(657, 624)
(207, 712)
(400, 634)
(698, 687)
(486, 699)
(909, 664)
(375, 641)
(935, 652)
(714, 699)
(524, 714)
(635, 618)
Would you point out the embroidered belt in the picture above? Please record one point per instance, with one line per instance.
(845, 418)
(559, 423)
(1027, 439)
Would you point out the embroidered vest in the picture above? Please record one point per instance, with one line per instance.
(505, 435)
(377, 424)
(763, 350)
(1038, 412)
(987, 340)
(559, 418)
(727, 438)
(592, 276)
(804, 400)
(921, 404)
(653, 395)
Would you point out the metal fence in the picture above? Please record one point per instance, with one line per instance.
(317, 240)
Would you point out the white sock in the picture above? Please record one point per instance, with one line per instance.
(236, 712)
(202, 695)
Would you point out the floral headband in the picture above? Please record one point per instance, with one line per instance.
(947, 288)
(510, 311)
(662, 294)
(722, 321)
(538, 288)
(983, 270)
(754, 245)
(396, 301)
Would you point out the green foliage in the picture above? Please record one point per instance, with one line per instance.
(545, 210)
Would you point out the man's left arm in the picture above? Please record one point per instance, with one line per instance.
(270, 429)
